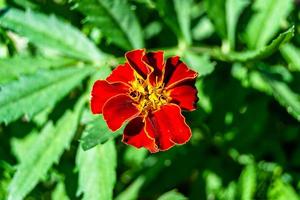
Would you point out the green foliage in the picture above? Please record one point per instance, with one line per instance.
(13, 68)
(248, 182)
(234, 9)
(44, 152)
(245, 130)
(97, 175)
(177, 16)
(291, 54)
(255, 54)
(266, 21)
(97, 132)
(172, 195)
(286, 97)
(280, 191)
(60, 192)
(52, 33)
(116, 21)
(17, 96)
(216, 12)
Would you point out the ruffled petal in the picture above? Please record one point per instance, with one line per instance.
(119, 109)
(122, 73)
(167, 126)
(135, 135)
(102, 91)
(156, 61)
(176, 72)
(134, 59)
(185, 96)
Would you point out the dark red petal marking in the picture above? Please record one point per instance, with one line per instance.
(134, 59)
(176, 71)
(102, 91)
(135, 135)
(185, 96)
(167, 126)
(156, 61)
(117, 110)
(122, 73)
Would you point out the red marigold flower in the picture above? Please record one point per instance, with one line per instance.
(149, 94)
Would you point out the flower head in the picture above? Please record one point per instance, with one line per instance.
(149, 94)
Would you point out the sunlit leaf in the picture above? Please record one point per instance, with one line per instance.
(97, 171)
(17, 97)
(59, 192)
(115, 19)
(216, 11)
(248, 182)
(286, 97)
(97, 133)
(292, 56)
(20, 145)
(181, 23)
(203, 29)
(265, 23)
(12, 68)
(172, 195)
(255, 54)
(234, 9)
(51, 32)
(45, 151)
(199, 63)
(282, 191)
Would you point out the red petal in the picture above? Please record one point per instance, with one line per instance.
(177, 71)
(185, 96)
(167, 126)
(122, 73)
(156, 61)
(134, 59)
(117, 110)
(102, 91)
(135, 135)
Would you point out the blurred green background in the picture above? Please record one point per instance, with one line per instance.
(246, 129)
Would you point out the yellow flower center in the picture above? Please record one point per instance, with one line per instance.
(147, 96)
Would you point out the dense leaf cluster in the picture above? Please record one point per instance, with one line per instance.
(246, 130)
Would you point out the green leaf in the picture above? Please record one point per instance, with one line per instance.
(216, 12)
(291, 55)
(152, 29)
(266, 21)
(248, 182)
(17, 97)
(199, 63)
(97, 132)
(254, 54)
(285, 96)
(234, 9)
(46, 150)
(132, 191)
(203, 29)
(172, 195)
(51, 32)
(182, 22)
(20, 145)
(59, 192)
(12, 68)
(282, 191)
(183, 10)
(134, 157)
(97, 171)
(115, 19)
